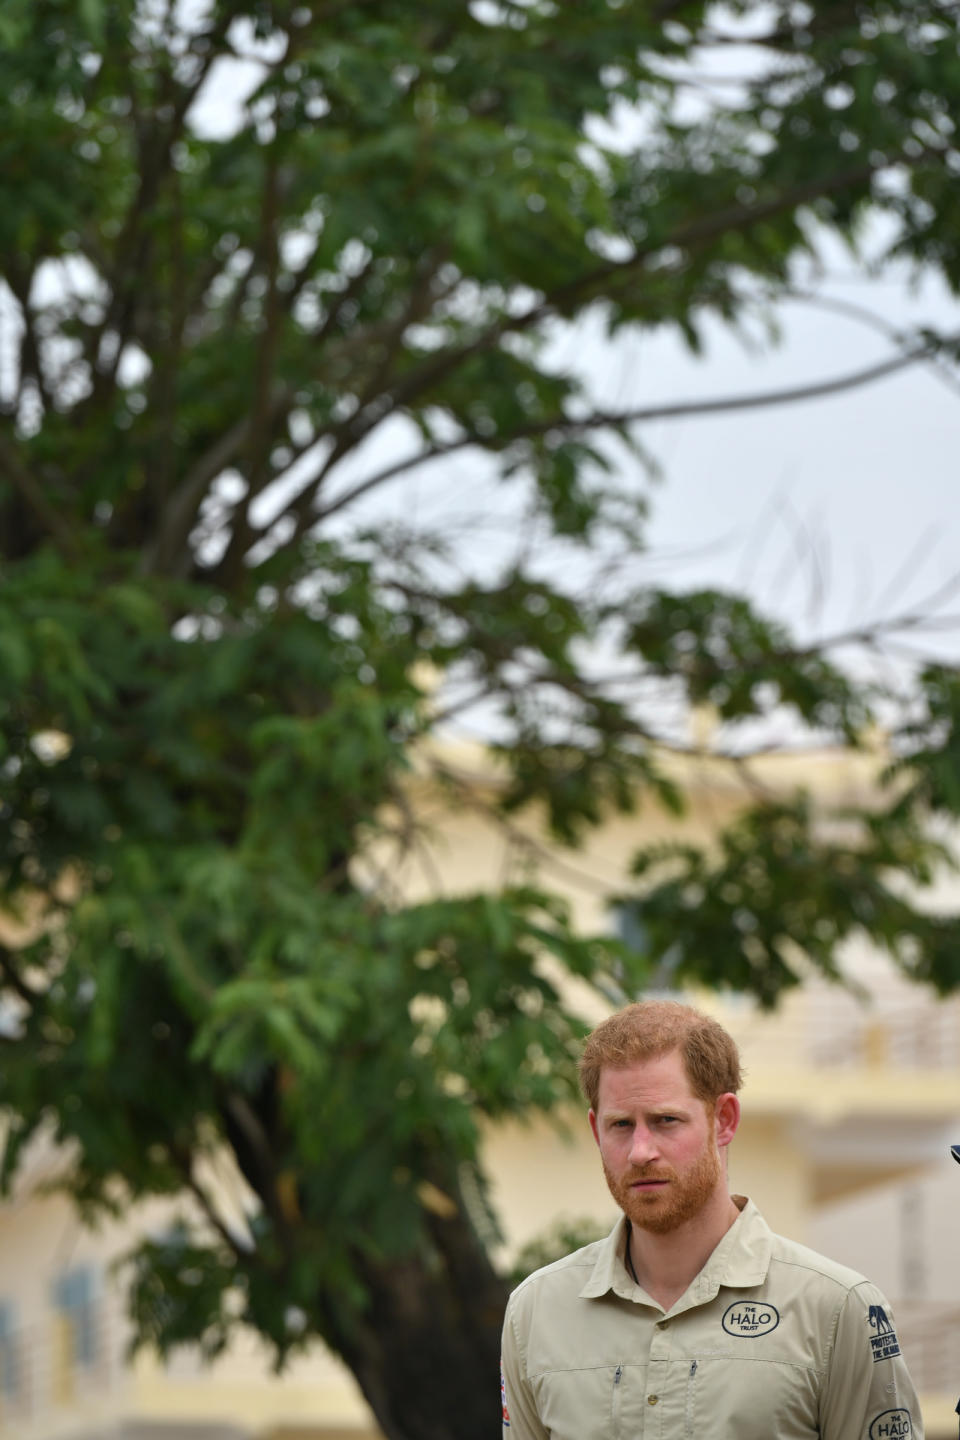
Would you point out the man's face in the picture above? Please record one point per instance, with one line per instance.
(657, 1143)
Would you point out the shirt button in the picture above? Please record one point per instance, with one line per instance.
(652, 1399)
(661, 1324)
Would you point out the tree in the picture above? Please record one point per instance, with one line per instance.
(223, 337)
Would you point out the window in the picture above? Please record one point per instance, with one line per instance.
(629, 927)
(74, 1296)
(10, 1378)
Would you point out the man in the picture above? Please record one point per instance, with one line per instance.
(692, 1320)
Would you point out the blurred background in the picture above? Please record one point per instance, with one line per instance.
(479, 543)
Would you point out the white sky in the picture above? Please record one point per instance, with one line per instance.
(832, 512)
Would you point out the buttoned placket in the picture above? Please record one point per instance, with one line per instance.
(661, 1409)
(657, 1368)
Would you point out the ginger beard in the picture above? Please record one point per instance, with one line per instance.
(663, 1210)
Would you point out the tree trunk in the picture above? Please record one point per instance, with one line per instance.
(426, 1350)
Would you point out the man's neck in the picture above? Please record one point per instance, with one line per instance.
(665, 1265)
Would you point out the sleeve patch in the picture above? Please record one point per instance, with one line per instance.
(503, 1399)
(883, 1342)
(891, 1425)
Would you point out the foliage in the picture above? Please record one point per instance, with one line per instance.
(562, 1237)
(232, 335)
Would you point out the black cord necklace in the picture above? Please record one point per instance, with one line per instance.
(633, 1272)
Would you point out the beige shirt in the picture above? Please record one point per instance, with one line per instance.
(769, 1342)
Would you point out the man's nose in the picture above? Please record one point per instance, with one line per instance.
(643, 1146)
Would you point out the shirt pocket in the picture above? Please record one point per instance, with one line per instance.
(581, 1404)
(616, 1407)
(751, 1398)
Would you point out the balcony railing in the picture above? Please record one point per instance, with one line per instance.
(830, 1030)
(930, 1339)
(48, 1367)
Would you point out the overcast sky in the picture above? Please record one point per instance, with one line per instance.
(835, 511)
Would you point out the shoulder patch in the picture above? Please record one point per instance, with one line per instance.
(503, 1398)
(883, 1342)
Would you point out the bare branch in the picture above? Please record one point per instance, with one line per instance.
(471, 798)
(233, 1241)
(865, 316)
(255, 1136)
(258, 438)
(599, 419)
(184, 1163)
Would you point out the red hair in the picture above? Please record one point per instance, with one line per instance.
(651, 1028)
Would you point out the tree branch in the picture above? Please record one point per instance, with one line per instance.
(354, 430)
(865, 316)
(694, 234)
(612, 419)
(29, 489)
(155, 152)
(184, 1163)
(167, 552)
(12, 977)
(161, 457)
(31, 365)
(258, 439)
(817, 390)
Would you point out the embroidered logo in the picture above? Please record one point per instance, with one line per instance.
(503, 1398)
(884, 1344)
(892, 1425)
(750, 1318)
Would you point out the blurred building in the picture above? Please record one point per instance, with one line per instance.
(849, 1112)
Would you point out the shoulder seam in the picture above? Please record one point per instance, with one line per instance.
(851, 1281)
(566, 1262)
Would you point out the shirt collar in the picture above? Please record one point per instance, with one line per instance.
(741, 1259)
(610, 1268)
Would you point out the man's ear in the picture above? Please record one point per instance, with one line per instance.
(727, 1117)
(592, 1117)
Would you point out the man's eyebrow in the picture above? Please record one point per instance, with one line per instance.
(681, 1110)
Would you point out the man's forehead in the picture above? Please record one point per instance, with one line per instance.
(657, 1079)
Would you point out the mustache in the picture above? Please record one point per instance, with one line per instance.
(646, 1173)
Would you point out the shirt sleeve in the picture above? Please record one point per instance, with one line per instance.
(520, 1418)
(867, 1392)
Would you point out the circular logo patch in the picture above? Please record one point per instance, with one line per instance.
(749, 1318)
(892, 1425)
